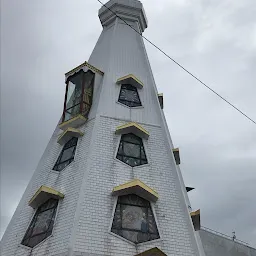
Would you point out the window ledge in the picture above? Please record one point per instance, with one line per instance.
(138, 107)
(136, 187)
(139, 244)
(42, 195)
(32, 248)
(74, 122)
(68, 134)
(122, 238)
(132, 167)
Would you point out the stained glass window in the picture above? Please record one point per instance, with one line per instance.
(134, 219)
(129, 96)
(79, 92)
(67, 155)
(42, 224)
(131, 150)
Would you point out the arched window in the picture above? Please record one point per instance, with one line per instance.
(66, 155)
(134, 219)
(42, 224)
(129, 96)
(131, 150)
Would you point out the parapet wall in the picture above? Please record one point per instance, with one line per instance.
(217, 245)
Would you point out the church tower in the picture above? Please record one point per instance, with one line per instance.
(108, 183)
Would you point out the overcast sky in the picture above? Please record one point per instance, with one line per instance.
(214, 39)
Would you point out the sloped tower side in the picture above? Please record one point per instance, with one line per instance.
(85, 215)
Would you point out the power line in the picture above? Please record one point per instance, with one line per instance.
(169, 57)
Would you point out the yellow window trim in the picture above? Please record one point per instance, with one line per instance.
(160, 94)
(75, 133)
(153, 251)
(195, 213)
(72, 120)
(47, 190)
(82, 65)
(131, 185)
(124, 127)
(137, 83)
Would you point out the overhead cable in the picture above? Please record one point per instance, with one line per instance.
(188, 72)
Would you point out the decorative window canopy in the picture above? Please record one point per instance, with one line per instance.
(68, 134)
(133, 128)
(136, 187)
(42, 195)
(176, 153)
(161, 100)
(189, 189)
(130, 79)
(196, 219)
(152, 252)
(84, 66)
(73, 122)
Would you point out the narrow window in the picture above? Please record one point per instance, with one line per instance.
(78, 99)
(129, 96)
(131, 150)
(42, 224)
(66, 155)
(134, 219)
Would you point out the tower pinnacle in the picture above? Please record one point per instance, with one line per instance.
(128, 10)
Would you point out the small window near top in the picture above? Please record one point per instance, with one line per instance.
(129, 96)
(42, 224)
(131, 150)
(134, 219)
(67, 155)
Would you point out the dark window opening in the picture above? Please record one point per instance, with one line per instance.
(129, 96)
(134, 219)
(66, 155)
(78, 97)
(42, 224)
(131, 150)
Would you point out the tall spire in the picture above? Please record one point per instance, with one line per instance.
(108, 182)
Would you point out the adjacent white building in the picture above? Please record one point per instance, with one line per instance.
(108, 182)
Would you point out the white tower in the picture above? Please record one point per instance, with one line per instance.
(108, 182)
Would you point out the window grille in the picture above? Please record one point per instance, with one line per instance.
(134, 219)
(42, 224)
(67, 155)
(131, 150)
(129, 96)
